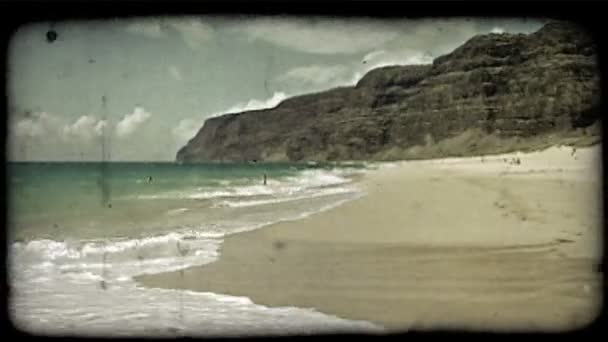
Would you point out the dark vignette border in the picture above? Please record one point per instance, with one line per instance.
(14, 14)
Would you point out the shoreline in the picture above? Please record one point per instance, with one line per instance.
(434, 243)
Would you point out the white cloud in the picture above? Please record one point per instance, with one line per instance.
(44, 136)
(29, 128)
(254, 104)
(147, 27)
(42, 124)
(175, 72)
(84, 128)
(316, 74)
(320, 36)
(315, 78)
(387, 59)
(326, 36)
(356, 78)
(377, 59)
(373, 55)
(320, 77)
(192, 30)
(100, 127)
(185, 130)
(36, 125)
(132, 121)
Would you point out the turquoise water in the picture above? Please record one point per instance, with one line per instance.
(59, 200)
(75, 226)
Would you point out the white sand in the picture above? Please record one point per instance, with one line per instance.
(452, 242)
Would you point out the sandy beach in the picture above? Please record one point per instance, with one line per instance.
(469, 243)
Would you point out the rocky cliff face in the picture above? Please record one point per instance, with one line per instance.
(502, 86)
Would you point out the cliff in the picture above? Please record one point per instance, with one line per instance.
(495, 93)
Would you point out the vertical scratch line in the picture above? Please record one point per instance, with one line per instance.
(105, 155)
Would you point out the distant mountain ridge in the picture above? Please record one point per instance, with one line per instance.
(495, 93)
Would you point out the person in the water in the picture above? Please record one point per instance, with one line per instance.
(264, 179)
(149, 178)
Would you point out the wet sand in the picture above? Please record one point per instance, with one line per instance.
(468, 243)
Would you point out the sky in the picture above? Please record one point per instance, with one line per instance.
(138, 89)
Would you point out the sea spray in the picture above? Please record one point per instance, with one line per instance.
(77, 277)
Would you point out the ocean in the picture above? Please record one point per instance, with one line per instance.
(79, 232)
